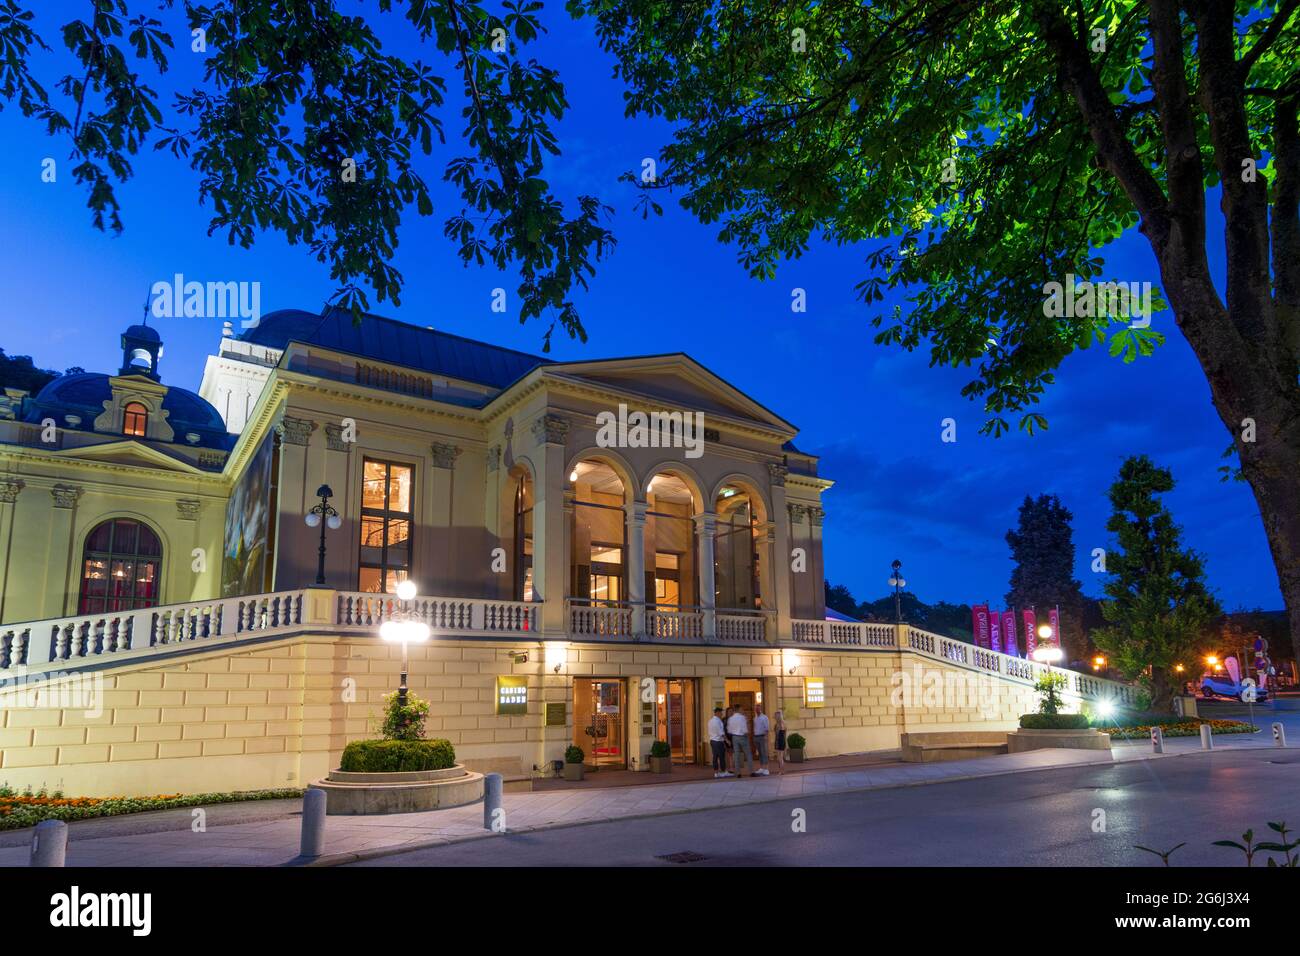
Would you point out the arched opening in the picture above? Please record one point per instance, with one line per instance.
(135, 420)
(598, 552)
(521, 483)
(671, 552)
(121, 567)
(736, 547)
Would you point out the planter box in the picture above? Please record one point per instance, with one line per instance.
(661, 764)
(363, 794)
(793, 755)
(573, 771)
(1019, 741)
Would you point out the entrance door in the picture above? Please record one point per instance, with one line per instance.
(675, 717)
(599, 727)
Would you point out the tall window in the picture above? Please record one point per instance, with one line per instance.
(524, 539)
(385, 525)
(135, 420)
(120, 568)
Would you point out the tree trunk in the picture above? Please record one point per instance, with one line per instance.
(1162, 691)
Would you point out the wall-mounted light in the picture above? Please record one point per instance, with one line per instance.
(789, 660)
(557, 653)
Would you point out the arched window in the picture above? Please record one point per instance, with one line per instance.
(121, 567)
(135, 420)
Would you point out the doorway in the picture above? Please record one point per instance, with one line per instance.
(600, 725)
(676, 721)
(745, 694)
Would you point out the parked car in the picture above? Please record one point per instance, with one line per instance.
(1212, 686)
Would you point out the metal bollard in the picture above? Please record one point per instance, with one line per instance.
(1279, 735)
(492, 790)
(1157, 740)
(1207, 737)
(50, 843)
(313, 823)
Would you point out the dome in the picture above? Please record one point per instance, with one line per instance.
(277, 329)
(84, 394)
(142, 333)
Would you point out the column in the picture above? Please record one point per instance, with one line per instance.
(782, 573)
(296, 544)
(442, 578)
(636, 595)
(9, 489)
(706, 526)
(59, 601)
(815, 561)
(340, 544)
(550, 550)
(798, 588)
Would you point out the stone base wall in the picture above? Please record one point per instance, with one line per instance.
(279, 714)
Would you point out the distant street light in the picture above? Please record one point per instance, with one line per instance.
(403, 629)
(897, 583)
(332, 521)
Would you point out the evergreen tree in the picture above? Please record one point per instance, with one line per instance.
(1158, 609)
(1043, 550)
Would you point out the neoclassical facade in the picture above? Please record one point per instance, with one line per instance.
(584, 584)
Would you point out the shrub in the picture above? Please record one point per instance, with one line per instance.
(574, 755)
(1049, 686)
(660, 748)
(404, 722)
(796, 742)
(394, 756)
(1054, 721)
(26, 809)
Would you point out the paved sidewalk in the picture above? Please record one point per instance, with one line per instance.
(166, 838)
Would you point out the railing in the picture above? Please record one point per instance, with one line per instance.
(93, 636)
(369, 610)
(606, 619)
(852, 633)
(742, 627)
(669, 624)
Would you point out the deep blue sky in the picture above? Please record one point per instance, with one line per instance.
(873, 414)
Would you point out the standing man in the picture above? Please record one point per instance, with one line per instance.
(718, 743)
(761, 728)
(738, 730)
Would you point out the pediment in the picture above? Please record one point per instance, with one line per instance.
(129, 453)
(675, 380)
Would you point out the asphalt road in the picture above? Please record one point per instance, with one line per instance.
(1046, 818)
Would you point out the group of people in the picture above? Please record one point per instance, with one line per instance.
(733, 742)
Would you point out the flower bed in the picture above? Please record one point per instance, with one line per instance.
(1182, 728)
(18, 810)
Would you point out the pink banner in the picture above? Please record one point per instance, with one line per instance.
(1031, 633)
(1009, 645)
(1054, 619)
(995, 632)
(980, 624)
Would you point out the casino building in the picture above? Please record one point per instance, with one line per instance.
(159, 546)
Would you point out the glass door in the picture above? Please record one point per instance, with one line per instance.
(600, 728)
(675, 721)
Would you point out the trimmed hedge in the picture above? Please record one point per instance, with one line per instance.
(396, 756)
(796, 742)
(26, 809)
(1054, 721)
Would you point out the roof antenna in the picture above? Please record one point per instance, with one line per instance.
(148, 298)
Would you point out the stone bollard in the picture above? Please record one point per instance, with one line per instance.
(50, 843)
(313, 823)
(1279, 735)
(1157, 740)
(492, 789)
(1207, 737)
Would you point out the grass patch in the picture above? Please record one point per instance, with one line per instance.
(26, 809)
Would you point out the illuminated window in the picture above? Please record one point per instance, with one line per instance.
(135, 420)
(386, 520)
(120, 567)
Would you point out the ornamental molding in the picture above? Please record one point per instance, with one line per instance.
(815, 515)
(187, 509)
(444, 455)
(550, 429)
(65, 496)
(334, 439)
(494, 458)
(296, 431)
(9, 491)
(777, 473)
(797, 513)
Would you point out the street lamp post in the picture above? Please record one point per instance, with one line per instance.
(332, 520)
(402, 628)
(897, 583)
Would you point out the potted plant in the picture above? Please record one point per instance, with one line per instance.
(794, 748)
(573, 758)
(661, 757)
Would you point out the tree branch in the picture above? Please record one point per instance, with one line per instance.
(1286, 228)
(1266, 39)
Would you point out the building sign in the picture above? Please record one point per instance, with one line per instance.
(790, 707)
(512, 695)
(814, 692)
(555, 715)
